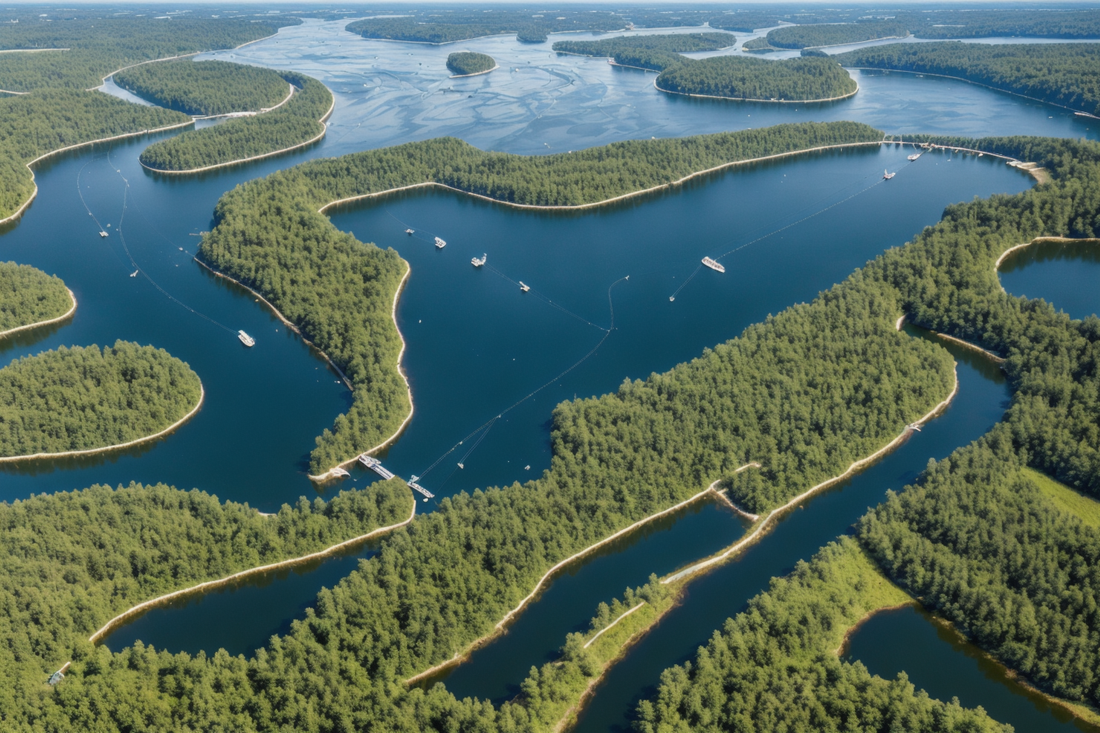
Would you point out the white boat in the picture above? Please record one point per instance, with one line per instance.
(439, 243)
(523, 287)
(713, 264)
(410, 231)
(479, 261)
(887, 175)
(914, 156)
(103, 234)
(134, 273)
(246, 339)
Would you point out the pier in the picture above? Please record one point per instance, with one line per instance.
(375, 465)
(417, 487)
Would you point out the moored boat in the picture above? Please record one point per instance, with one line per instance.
(246, 339)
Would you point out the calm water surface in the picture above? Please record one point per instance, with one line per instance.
(1065, 275)
(937, 660)
(476, 345)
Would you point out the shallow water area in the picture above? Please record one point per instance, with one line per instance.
(1064, 274)
(936, 659)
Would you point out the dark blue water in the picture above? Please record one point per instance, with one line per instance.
(724, 592)
(937, 660)
(1066, 275)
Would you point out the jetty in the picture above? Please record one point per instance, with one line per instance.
(375, 465)
(420, 489)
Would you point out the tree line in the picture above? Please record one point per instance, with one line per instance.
(1060, 73)
(296, 122)
(28, 295)
(468, 62)
(740, 77)
(84, 398)
(805, 36)
(205, 87)
(672, 43)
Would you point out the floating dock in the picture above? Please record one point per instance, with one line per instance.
(418, 488)
(375, 465)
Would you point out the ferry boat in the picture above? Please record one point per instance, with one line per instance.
(887, 175)
(439, 243)
(246, 339)
(914, 156)
(479, 261)
(713, 264)
(523, 287)
(410, 232)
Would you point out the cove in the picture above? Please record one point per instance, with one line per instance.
(1065, 274)
(725, 591)
(937, 660)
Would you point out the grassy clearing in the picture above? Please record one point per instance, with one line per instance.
(1065, 498)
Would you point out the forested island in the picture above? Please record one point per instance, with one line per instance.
(205, 87)
(101, 46)
(74, 560)
(29, 296)
(296, 123)
(468, 63)
(743, 78)
(83, 399)
(670, 43)
(343, 298)
(1058, 73)
(807, 36)
(33, 125)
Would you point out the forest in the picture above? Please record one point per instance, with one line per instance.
(807, 36)
(82, 398)
(739, 77)
(75, 559)
(1066, 74)
(34, 124)
(296, 122)
(1008, 22)
(774, 666)
(444, 25)
(28, 295)
(205, 87)
(100, 46)
(672, 43)
(342, 300)
(465, 63)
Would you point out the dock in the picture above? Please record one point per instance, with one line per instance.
(375, 465)
(418, 488)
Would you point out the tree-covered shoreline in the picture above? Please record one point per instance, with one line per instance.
(207, 88)
(292, 125)
(828, 34)
(29, 296)
(745, 78)
(84, 399)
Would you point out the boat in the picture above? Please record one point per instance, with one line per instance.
(418, 488)
(246, 339)
(523, 287)
(410, 231)
(439, 243)
(713, 264)
(103, 234)
(479, 261)
(134, 273)
(914, 156)
(887, 175)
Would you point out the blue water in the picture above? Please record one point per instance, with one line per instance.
(1067, 275)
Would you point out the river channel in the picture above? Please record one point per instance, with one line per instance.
(476, 344)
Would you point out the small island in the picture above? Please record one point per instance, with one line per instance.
(30, 298)
(206, 88)
(84, 400)
(809, 79)
(469, 63)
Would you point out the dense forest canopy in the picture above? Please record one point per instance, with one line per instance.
(807, 36)
(740, 77)
(100, 46)
(74, 560)
(673, 43)
(75, 399)
(28, 295)
(294, 123)
(205, 87)
(465, 63)
(34, 124)
(1060, 73)
(342, 299)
